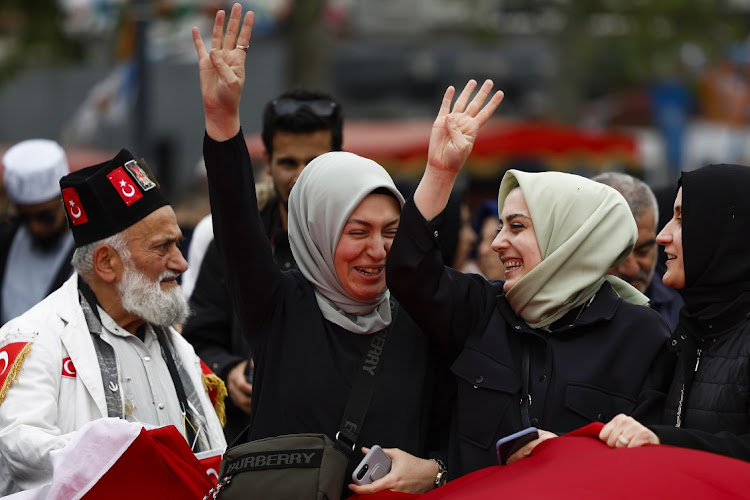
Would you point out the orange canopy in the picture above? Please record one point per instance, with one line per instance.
(401, 146)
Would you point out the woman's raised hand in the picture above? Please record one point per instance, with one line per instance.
(222, 71)
(455, 130)
(452, 138)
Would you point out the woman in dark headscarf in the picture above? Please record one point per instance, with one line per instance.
(708, 250)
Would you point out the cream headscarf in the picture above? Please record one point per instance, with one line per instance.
(326, 193)
(583, 229)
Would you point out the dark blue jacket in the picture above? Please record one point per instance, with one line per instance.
(588, 367)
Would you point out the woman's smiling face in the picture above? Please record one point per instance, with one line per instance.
(359, 259)
(516, 242)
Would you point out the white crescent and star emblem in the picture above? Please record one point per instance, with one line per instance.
(4, 359)
(68, 366)
(128, 194)
(212, 472)
(75, 210)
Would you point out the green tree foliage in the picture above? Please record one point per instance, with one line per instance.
(34, 29)
(609, 44)
(604, 45)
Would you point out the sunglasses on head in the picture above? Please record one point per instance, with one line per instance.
(45, 217)
(289, 106)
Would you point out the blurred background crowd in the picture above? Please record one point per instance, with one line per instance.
(641, 86)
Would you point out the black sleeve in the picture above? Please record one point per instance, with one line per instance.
(723, 443)
(441, 409)
(651, 399)
(211, 327)
(254, 280)
(445, 303)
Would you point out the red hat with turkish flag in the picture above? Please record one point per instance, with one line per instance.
(107, 198)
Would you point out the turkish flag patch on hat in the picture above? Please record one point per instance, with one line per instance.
(125, 186)
(76, 214)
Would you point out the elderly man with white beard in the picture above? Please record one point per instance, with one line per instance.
(102, 345)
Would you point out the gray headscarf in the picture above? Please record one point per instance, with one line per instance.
(327, 191)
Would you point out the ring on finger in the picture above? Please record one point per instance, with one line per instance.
(623, 440)
(242, 47)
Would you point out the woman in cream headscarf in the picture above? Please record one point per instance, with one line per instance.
(310, 328)
(572, 344)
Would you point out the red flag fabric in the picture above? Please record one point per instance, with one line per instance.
(159, 464)
(579, 466)
(114, 459)
(211, 464)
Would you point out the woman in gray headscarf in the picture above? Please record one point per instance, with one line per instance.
(570, 343)
(332, 208)
(309, 328)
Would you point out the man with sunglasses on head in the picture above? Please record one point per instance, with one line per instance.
(36, 245)
(298, 126)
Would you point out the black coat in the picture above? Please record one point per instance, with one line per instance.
(214, 332)
(711, 387)
(594, 362)
(213, 329)
(304, 364)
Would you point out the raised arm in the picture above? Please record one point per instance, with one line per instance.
(447, 304)
(222, 72)
(240, 238)
(451, 141)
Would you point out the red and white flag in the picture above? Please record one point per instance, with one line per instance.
(12, 354)
(125, 186)
(76, 213)
(114, 459)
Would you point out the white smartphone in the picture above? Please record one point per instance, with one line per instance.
(373, 466)
(510, 444)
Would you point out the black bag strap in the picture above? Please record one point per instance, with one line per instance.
(364, 383)
(168, 355)
(359, 399)
(525, 395)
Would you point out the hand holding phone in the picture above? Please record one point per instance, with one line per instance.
(508, 445)
(375, 465)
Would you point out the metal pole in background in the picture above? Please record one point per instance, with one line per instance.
(141, 117)
(308, 60)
